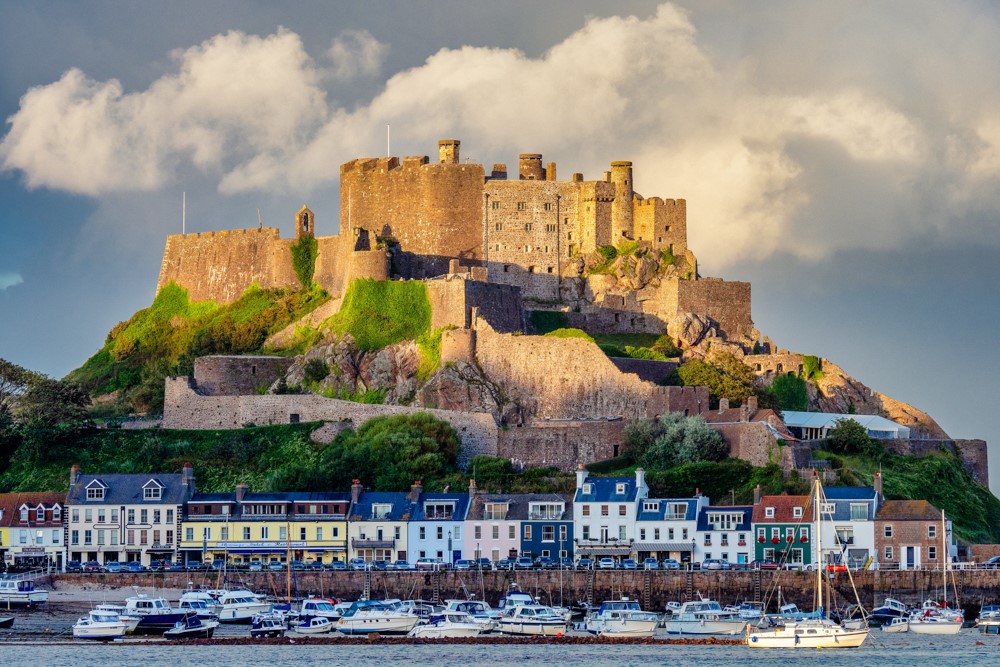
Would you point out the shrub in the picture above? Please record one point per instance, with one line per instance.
(316, 370)
(790, 392)
(545, 321)
(570, 333)
(810, 368)
(379, 313)
(304, 253)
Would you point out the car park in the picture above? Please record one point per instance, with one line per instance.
(607, 563)
(585, 564)
(651, 564)
(523, 563)
(629, 564)
(670, 564)
(93, 566)
(74, 566)
(173, 566)
(114, 567)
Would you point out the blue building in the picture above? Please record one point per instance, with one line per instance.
(725, 532)
(435, 525)
(546, 524)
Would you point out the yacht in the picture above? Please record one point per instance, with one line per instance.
(366, 616)
(890, 609)
(191, 627)
(240, 606)
(622, 618)
(100, 624)
(932, 619)
(448, 625)
(532, 619)
(155, 614)
(704, 617)
(21, 592)
(480, 612)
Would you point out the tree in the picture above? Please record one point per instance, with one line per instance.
(671, 440)
(724, 375)
(790, 392)
(850, 437)
(14, 383)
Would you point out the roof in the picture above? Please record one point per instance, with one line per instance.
(460, 501)
(8, 501)
(400, 510)
(872, 423)
(518, 505)
(662, 546)
(842, 497)
(783, 509)
(127, 489)
(747, 510)
(660, 512)
(848, 493)
(907, 510)
(605, 489)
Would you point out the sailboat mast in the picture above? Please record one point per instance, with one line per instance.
(819, 546)
(944, 554)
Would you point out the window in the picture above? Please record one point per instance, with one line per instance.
(495, 205)
(498, 227)
(114, 538)
(768, 512)
(670, 533)
(676, 511)
(74, 537)
(24, 514)
(157, 515)
(552, 228)
(887, 553)
(642, 534)
(604, 510)
(477, 532)
(620, 488)
(88, 515)
(100, 516)
(621, 533)
(520, 206)
(75, 516)
(95, 493)
(114, 516)
(622, 511)
(319, 534)
(563, 533)
(761, 533)
(395, 532)
(457, 530)
(40, 514)
(143, 516)
(496, 532)
(55, 536)
(170, 536)
(859, 511)
(548, 206)
(439, 510)
(264, 533)
(142, 536)
(88, 537)
(585, 510)
(282, 532)
(495, 511)
(528, 226)
(380, 510)
(246, 533)
(796, 512)
(684, 534)
(931, 530)
(440, 532)
(131, 516)
(586, 532)
(56, 514)
(24, 537)
(151, 493)
(527, 531)
(189, 534)
(511, 531)
(828, 508)
(206, 533)
(887, 530)
(224, 537)
(656, 534)
(548, 533)
(932, 553)
(422, 533)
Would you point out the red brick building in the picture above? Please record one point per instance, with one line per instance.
(909, 535)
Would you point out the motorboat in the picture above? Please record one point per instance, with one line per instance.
(21, 593)
(932, 619)
(988, 621)
(532, 619)
(191, 627)
(267, 625)
(747, 610)
(201, 608)
(621, 618)
(704, 617)
(6, 622)
(808, 632)
(890, 609)
(448, 625)
(422, 609)
(313, 625)
(320, 607)
(155, 614)
(898, 624)
(366, 616)
(99, 624)
(480, 612)
(119, 609)
(205, 597)
(240, 606)
(515, 597)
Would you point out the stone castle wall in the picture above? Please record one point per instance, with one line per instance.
(454, 297)
(645, 369)
(662, 222)
(230, 375)
(570, 378)
(563, 445)
(726, 302)
(972, 453)
(185, 408)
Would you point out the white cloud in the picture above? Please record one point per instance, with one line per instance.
(10, 279)
(768, 157)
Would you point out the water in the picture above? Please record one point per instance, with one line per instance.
(41, 638)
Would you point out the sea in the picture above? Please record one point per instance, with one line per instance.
(42, 638)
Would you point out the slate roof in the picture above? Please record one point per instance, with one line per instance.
(402, 506)
(518, 505)
(658, 515)
(48, 500)
(783, 506)
(461, 501)
(748, 511)
(604, 490)
(843, 496)
(908, 510)
(126, 489)
(288, 498)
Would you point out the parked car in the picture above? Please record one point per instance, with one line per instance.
(219, 564)
(715, 564)
(991, 564)
(463, 565)
(429, 564)
(607, 563)
(402, 565)
(358, 564)
(651, 564)
(629, 564)
(276, 566)
(93, 566)
(544, 563)
(505, 564)
(380, 565)
(670, 564)
(255, 566)
(134, 566)
(297, 565)
(483, 564)
(523, 563)
(585, 564)
(566, 563)
(196, 565)
(74, 566)
(173, 566)
(314, 565)
(114, 567)
(337, 565)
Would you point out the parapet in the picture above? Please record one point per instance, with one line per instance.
(531, 167)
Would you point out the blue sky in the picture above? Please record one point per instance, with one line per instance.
(844, 157)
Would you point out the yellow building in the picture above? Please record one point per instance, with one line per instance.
(244, 527)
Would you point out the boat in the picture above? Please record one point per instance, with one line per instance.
(119, 609)
(898, 624)
(191, 627)
(267, 625)
(747, 610)
(621, 618)
(6, 621)
(240, 606)
(448, 625)
(988, 621)
(155, 614)
(532, 619)
(515, 597)
(366, 616)
(934, 619)
(480, 612)
(704, 617)
(21, 593)
(890, 609)
(320, 607)
(313, 625)
(808, 632)
(100, 624)
(200, 608)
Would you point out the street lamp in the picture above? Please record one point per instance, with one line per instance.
(450, 555)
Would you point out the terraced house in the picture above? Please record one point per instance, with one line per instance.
(243, 527)
(725, 531)
(377, 529)
(126, 517)
(493, 525)
(604, 513)
(783, 530)
(665, 528)
(31, 530)
(435, 528)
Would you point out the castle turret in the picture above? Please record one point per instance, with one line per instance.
(305, 220)
(622, 224)
(448, 151)
(531, 167)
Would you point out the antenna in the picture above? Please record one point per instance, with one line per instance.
(260, 221)
(184, 213)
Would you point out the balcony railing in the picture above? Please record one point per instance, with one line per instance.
(372, 544)
(544, 516)
(674, 517)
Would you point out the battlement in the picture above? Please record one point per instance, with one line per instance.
(269, 232)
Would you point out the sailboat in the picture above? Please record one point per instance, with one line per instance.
(932, 619)
(808, 632)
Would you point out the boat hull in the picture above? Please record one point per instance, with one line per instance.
(532, 628)
(787, 637)
(384, 626)
(157, 624)
(704, 627)
(935, 627)
(314, 629)
(6, 621)
(897, 626)
(453, 631)
(105, 633)
(203, 632)
(243, 613)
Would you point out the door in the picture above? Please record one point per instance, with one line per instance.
(910, 558)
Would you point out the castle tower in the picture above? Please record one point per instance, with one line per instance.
(622, 223)
(531, 167)
(305, 220)
(448, 151)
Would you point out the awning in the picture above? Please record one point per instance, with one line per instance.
(602, 550)
(662, 546)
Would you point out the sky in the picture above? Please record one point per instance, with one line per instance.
(843, 157)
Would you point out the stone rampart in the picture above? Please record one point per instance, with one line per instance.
(185, 408)
(454, 297)
(563, 444)
(726, 302)
(232, 375)
(645, 369)
(972, 453)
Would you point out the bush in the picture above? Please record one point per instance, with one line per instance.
(850, 437)
(570, 333)
(671, 440)
(790, 392)
(304, 253)
(379, 313)
(725, 376)
(545, 321)
(316, 370)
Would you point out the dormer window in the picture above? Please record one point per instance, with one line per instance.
(620, 488)
(95, 490)
(588, 489)
(381, 510)
(153, 490)
(827, 508)
(24, 515)
(768, 512)
(797, 512)
(56, 513)
(40, 513)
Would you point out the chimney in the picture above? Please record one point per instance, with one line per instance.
(187, 480)
(415, 491)
(723, 404)
(472, 488)
(448, 151)
(878, 485)
(581, 475)
(550, 171)
(640, 483)
(241, 491)
(74, 474)
(752, 405)
(756, 495)
(356, 490)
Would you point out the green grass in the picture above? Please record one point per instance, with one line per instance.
(378, 313)
(570, 333)
(545, 321)
(430, 353)
(621, 340)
